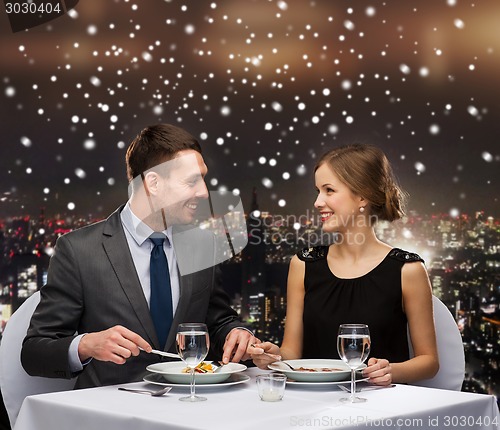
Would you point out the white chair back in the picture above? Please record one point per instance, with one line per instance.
(15, 383)
(450, 351)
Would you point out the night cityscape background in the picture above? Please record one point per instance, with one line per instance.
(267, 86)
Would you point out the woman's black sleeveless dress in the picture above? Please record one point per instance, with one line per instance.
(374, 299)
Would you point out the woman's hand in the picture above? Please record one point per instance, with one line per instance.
(264, 353)
(379, 371)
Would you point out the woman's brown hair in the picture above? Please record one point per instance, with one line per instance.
(367, 172)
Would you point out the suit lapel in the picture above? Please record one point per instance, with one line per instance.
(115, 243)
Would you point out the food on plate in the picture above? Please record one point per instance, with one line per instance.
(201, 368)
(319, 369)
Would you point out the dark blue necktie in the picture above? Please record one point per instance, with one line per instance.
(160, 304)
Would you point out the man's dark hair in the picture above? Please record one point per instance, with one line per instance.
(156, 144)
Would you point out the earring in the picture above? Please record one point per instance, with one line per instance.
(362, 209)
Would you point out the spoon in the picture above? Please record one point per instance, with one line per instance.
(366, 388)
(157, 393)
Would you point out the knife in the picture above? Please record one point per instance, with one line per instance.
(163, 353)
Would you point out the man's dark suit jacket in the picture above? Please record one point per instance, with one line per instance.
(92, 285)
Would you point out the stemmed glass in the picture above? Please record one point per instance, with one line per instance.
(192, 345)
(353, 345)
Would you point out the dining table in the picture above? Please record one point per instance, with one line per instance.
(238, 406)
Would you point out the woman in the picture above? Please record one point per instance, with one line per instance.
(358, 279)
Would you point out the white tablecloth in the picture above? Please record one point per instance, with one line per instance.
(239, 407)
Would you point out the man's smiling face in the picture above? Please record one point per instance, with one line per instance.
(180, 190)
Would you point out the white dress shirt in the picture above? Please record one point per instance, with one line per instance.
(137, 234)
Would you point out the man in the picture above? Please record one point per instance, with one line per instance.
(94, 315)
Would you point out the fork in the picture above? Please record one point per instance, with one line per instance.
(289, 365)
(153, 393)
(221, 365)
(276, 357)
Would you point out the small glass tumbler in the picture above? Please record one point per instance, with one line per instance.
(271, 387)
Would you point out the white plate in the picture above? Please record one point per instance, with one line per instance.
(343, 374)
(234, 378)
(172, 372)
(298, 383)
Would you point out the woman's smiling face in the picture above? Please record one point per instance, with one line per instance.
(336, 202)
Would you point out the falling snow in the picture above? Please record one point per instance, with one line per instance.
(26, 141)
(266, 88)
(10, 91)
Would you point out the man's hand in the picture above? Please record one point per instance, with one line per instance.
(236, 345)
(115, 344)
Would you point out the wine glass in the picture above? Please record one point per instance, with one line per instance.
(192, 345)
(353, 345)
